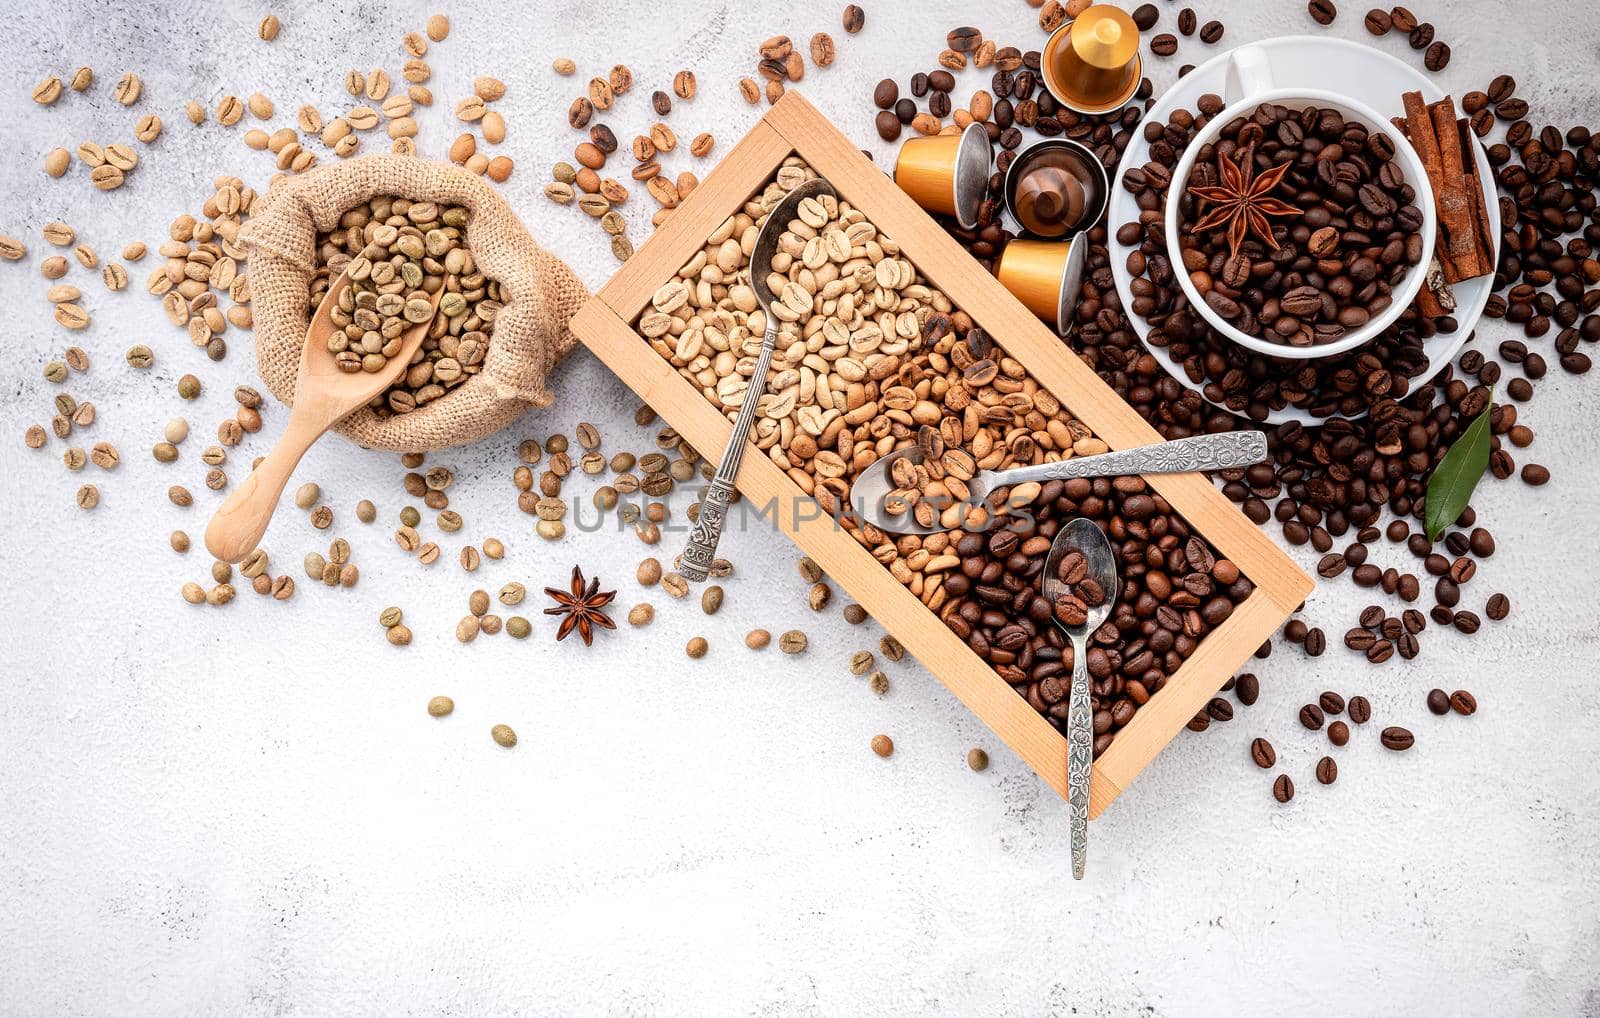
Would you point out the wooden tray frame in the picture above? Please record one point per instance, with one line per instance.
(793, 126)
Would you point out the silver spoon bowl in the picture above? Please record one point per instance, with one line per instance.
(1080, 556)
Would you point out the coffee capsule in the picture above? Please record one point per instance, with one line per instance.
(1091, 64)
(1056, 188)
(947, 173)
(1046, 276)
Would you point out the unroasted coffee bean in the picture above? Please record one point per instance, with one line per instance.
(1397, 738)
(1262, 753)
(1438, 701)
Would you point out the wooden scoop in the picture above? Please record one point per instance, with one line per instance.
(322, 395)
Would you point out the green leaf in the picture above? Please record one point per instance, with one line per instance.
(1450, 487)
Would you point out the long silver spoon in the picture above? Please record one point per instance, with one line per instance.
(707, 530)
(1080, 555)
(1203, 452)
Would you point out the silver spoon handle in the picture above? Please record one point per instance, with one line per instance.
(707, 530)
(1203, 452)
(1080, 757)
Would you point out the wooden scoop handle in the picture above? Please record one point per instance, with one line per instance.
(236, 530)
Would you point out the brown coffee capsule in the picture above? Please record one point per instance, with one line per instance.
(1046, 276)
(1092, 63)
(1055, 188)
(947, 173)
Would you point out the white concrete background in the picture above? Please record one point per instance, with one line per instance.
(246, 811)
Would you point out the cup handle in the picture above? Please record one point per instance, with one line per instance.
(1249, 73)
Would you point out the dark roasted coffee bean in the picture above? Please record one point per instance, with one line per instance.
(1397, 738)
(1219, 709)
(1262, 753)
(1360, 710)
(1164, 45)
(1372, 616)
(1498, 608)
(1437, 57)
(888, 125)
(1145, 16)
(1311, 716)
(1282, 788)
(1331, 703)
(1247, 688)
(885, 94)
(1327, 771)
(941, 81)
(1402, 19)
(1511, 109)
(1503, 87)
(1200, 722)
(919, 84)
(1380, 652)
(1323, 11)
(1338, 733)
(1421, 36)
(1463, 702)
(1187, 21)
(1467, 622)
(1211, 32)
(1438, 701)
(964, 39)
(1378, 22)
(1535, 474)
(1316, 642)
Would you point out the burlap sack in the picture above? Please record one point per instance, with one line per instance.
(530, 333)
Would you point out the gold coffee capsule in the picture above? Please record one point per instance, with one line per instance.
(1092, 64)
(1056, 188)
(947, 173)
(1046, 275)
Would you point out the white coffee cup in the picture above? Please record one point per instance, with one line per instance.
(1250, 83)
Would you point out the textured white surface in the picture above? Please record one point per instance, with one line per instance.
(246, 811)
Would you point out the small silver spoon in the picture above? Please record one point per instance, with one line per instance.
(1083, 543)
(1203, 452)
(707, 531)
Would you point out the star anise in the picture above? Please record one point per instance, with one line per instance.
(582, 608)
(1242, 203)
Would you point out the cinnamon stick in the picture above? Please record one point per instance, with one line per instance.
(1457, 235)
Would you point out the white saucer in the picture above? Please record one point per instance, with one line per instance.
(1302, 61)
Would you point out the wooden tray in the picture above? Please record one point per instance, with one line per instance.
(794, 126)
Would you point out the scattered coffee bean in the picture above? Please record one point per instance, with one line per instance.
(1262, 753)
(1463, 702)
(1327, 771)
(1323, 11)
(1282, 788)
(1397, 738)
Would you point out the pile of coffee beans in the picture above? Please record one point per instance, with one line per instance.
(1333, 261)
(1174, 590)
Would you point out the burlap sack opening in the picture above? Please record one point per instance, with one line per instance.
(530, 333)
